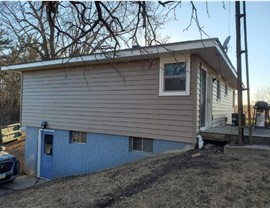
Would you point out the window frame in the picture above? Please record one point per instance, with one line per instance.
(71, 138)
(131, 146)
(173, 60)
(48, 146)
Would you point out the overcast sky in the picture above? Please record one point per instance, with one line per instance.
(221, 24)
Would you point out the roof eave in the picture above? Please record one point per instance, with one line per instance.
(188, 47)
(142, 53)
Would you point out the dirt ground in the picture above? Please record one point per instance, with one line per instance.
(198, 178)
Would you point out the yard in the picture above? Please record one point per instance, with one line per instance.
(198, 178)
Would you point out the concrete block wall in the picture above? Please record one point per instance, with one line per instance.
(31, 151)
(101, 151)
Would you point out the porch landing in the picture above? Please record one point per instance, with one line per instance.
(230, 134)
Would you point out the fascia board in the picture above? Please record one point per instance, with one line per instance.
(143, 52)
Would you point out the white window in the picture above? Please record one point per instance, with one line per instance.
(174, 76)
(140, 144)
(77, 137)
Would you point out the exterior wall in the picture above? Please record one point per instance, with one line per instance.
(31, 151)
(102, 151)
(120, 99)
(223, 107)
(219, 109)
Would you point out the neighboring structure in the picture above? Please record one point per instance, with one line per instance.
(102, 112)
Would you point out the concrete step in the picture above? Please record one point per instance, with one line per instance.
(260, 136)
(247, 150)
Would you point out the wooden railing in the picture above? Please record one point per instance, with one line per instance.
(10, 133)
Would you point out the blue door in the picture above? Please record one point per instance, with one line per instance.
(46, 165)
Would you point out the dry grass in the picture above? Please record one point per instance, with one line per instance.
(210, 179)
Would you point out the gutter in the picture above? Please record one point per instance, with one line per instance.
(109, 57)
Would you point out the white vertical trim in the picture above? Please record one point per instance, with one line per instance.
(39, 152)
(209, 98)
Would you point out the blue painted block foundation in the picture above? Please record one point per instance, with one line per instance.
(101, 151)
(31, 151)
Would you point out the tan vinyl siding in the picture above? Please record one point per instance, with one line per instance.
(117, 99)
(218, 109)
(223, 107)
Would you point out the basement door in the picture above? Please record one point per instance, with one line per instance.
(46, 163)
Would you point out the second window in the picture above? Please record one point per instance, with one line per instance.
(140, 144)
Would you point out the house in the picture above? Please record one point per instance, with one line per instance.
(93, 112)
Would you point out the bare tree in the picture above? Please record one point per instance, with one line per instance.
(262, 94)
(9, 86)
(51, 29)
(47, 30)
(9, 98)
(61, 29)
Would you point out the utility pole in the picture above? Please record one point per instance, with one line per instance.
(239, 73)
(247, 73)
(239, 52)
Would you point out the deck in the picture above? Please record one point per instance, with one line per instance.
(230, 134)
